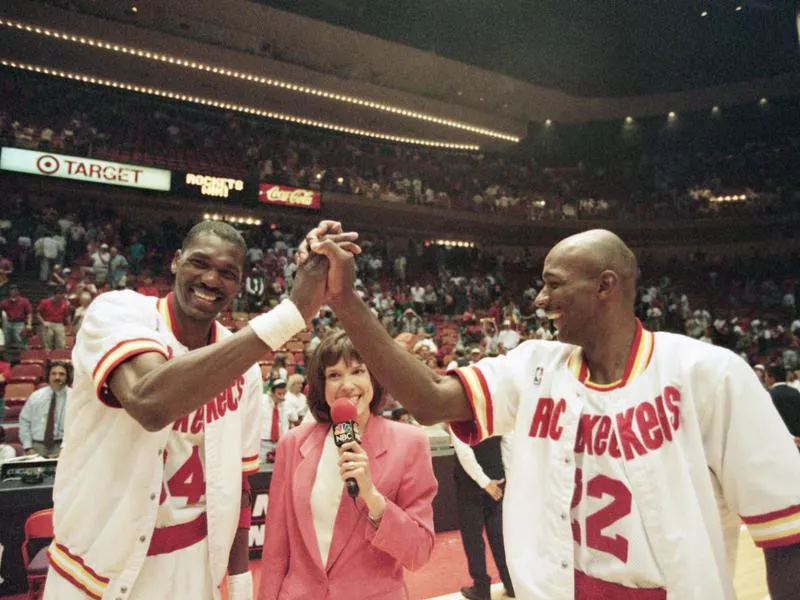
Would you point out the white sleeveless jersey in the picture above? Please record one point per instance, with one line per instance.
(646, 452)
(113, 486)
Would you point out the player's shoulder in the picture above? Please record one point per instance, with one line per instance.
(122, 300)
(696, 356)
(540, 351)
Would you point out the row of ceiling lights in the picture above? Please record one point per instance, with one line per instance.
(232, 219)
(222, 71)
(672, 115)
(705, 11)
(236, 107)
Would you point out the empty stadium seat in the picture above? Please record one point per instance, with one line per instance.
(26, 373)
(17, 393)
(11, 414)
(34, 356)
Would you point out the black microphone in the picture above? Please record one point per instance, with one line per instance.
(345, 429)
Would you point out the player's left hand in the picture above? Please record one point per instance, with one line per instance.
(354, 462)
(327, 231)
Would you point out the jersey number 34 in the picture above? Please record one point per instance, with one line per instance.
(188, 481)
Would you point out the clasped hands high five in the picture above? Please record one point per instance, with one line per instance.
(326, 267)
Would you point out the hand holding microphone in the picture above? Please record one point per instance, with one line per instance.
(346, 436)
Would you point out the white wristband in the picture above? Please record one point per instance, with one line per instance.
(277, 327)
(240, 586)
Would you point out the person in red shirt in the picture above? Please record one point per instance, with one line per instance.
(19, 314)
(148, 289)
(54, 314)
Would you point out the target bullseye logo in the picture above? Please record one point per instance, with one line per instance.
(47, 164)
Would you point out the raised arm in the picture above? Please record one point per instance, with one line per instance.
(430, 397)
(156, 391)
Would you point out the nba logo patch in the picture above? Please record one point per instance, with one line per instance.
(537, 376)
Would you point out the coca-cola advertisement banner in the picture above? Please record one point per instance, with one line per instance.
(270, 193)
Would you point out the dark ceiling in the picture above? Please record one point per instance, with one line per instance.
(586, 47)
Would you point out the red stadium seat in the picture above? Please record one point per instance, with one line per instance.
(27, 373)
(34, 342)
(17, 393)
(60, 354)
(37, 356)
(37, 526)
(12, 433)
(12, 411)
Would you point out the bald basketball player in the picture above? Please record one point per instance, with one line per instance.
(629, 443)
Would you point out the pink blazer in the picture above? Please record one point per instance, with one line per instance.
(363, 562)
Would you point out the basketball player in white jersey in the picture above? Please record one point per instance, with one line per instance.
(622, 438)
(151, 496)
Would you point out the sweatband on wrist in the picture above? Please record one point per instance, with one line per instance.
(277, 327)
(240, 586)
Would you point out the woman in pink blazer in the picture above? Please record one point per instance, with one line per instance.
(320, 543)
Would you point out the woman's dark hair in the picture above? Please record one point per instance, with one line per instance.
(333, 348)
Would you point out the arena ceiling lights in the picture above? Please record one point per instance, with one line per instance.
(234, 107)
(258, 79)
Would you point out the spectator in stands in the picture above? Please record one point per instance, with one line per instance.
(117, 269)
(57, 277)
(19, 319)
(84, 301)
(296, 400)
(47, 249)
(786, 399)
(101, 260)
(137, 253)
(277, 416)
(147, 288)
(5, 375)
(410, 322)
(508, 336)
(255, 289)
(418, 298)
(7, 451)
(6, 271)
(41, 422)
(760, 371)
(475, 355)
(54, 314)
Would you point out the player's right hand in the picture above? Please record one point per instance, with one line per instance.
(327, 231)
(494, 489)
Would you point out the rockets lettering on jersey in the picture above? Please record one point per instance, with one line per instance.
(227, 400)
(641, 429)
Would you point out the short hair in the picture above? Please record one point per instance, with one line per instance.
(222, 230)
(776, 372)
(331, 350)
(59, 363)
(294, 378)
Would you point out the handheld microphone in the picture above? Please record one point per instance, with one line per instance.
(345, 429)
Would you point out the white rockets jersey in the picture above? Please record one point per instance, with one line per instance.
(113, 486)
(686, 417)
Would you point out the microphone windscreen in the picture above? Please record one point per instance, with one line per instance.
(343, 409)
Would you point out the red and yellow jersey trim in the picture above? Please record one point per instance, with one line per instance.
(73, 569)
(638, 360)
(115, 357)
(250, 464)
(166, 309)
(775, 529)
(480, 400)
